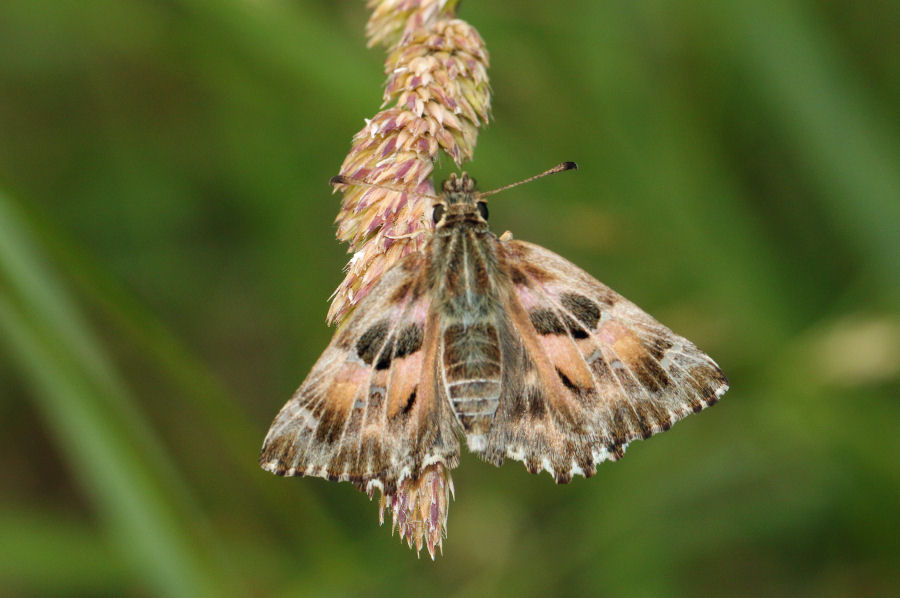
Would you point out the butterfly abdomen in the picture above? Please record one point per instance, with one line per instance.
(466, 281)
(471, 363)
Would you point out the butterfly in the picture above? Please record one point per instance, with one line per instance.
(494, 340)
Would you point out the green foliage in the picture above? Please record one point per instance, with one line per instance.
(166, 252)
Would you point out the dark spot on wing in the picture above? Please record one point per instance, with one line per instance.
(410, 401)
(667, 422)
(575, 329)
(658, 347)
(370, 343)
(408, 341)
(586, 396)
(585, 460)
(331, 423)
(585, 310)
(546, 321)
(385, 355)
(518, 277)
(566, 382)
(400, 293)
(651, 375)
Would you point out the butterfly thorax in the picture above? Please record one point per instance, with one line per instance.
(464, 267)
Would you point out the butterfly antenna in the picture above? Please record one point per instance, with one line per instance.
(343, 180)
(558, 168)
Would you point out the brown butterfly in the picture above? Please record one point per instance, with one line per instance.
(500, 341)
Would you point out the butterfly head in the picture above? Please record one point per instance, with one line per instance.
(459, 202)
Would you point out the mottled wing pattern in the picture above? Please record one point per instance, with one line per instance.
(595, 371)
(369, 411)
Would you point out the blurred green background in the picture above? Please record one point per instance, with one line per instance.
(167, 251)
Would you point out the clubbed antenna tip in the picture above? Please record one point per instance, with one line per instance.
(558, 168)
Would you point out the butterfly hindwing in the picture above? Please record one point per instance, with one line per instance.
(369, 411)
(596, 371)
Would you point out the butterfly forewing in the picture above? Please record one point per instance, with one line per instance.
(368, 411)
(597, 374)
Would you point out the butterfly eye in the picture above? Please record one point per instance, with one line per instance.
(482, 209)
(438, 213)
